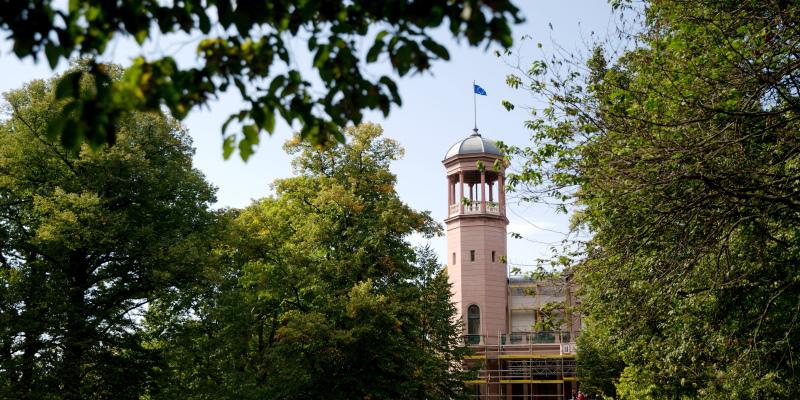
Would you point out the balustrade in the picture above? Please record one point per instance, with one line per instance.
(475, 208)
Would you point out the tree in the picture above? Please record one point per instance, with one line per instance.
(681, 155)
(321, 296)
(599, 361)
(250, 50)
(87, 240)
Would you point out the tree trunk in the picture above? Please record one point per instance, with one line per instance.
(77, 337)
(32, 319)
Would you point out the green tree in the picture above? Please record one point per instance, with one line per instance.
(321, 296)
(87, 240)
(599, 361)
(681, 154)
(247, 47)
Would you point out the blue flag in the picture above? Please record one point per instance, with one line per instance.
(479, 90)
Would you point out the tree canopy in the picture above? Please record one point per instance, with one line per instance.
(246, 46)
(87, 240)
(320, 294)
(118, 281)
(680, 155)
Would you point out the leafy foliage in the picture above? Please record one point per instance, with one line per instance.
(321, 297)
(87, 239)
(599, 361)
(681, 155)
(247, 47)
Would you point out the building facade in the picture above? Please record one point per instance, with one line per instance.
(521, 331)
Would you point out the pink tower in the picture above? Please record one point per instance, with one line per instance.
(476, 237)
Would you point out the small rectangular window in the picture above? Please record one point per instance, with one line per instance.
(492, 255)
(454, 258)
(472, 255)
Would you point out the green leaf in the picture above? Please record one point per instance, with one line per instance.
(204, 23)
(140, 36)
(247, 143)
(321, 56)
(227, 122)
(52, 53)
(436, 48)
(68, 85)
(269, 121)
(389, 83)
(71, 134)
(228, 146)
(56, 125)
(276, 84)
(250, 134)
(374, 51)
(382, 34)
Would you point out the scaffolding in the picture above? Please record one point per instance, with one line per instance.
(522, 365)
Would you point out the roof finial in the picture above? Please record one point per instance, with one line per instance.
(475, 132)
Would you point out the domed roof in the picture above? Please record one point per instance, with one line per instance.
(474, 144)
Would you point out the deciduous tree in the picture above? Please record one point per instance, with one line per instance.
(681, 155)
(247, 47)
(87, 239)
(322, 297)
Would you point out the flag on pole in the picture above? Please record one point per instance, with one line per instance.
(479, 90)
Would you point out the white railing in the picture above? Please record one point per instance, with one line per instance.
(507, 341)
(475, 208)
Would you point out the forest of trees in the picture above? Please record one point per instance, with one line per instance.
(118, 280)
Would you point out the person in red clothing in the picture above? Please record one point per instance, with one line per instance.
(581, 396)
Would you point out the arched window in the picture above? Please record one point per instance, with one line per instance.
(473, 320)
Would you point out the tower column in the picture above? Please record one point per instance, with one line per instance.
(483, 191)
(501, 189)
(461, 198)
(449, 194)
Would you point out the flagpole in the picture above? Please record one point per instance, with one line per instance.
(474, 107)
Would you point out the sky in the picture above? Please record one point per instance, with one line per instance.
(437, 111)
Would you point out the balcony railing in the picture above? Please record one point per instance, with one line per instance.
(530, 369)
(535, 343)
(541, 337)
(475, 208)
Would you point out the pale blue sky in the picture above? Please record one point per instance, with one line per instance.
(436, 112)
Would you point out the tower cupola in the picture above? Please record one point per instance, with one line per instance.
(475, 178)
(473, 144)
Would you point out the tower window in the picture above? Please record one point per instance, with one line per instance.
(472, 255)
(454, 258)
(473, 324)
(492, 255)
